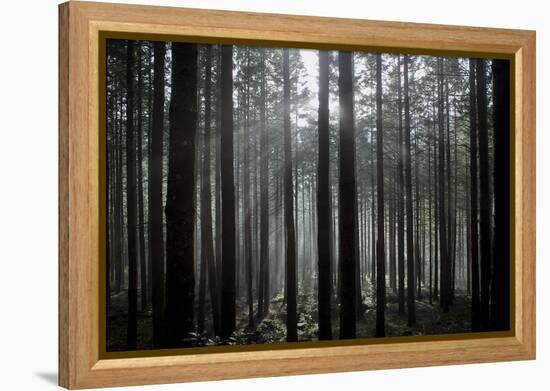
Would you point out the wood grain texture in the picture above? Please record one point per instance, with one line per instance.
(80, 365)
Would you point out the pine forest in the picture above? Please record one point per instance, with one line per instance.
(260, 195)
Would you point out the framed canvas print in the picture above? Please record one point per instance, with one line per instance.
(247, 195)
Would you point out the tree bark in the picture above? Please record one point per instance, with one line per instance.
(323, 203)
(347, 201)
(131, 204)
(264, 196)
(180, 210)
(401, 200)
(156, 236)
(291, 320)
(380, 253)
(411, 318)
(141, 227)
(206, 207)
(474, 238)
(484, 197)
(443, 243)
(500, 294)
(228, 195)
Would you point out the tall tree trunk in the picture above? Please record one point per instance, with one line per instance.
(484, 197)
(207, 246)
(180, 208)
(141, 227)
(200, 253)
(156, 236)
(430, 222)
(391, 240)
(150, 86)
(247, 207)
(411, 319)
(217, 192)
(347, 201)
(131, 204)
(444, 259)
(418, 262)
(323, 203)
(291, 320)
(435, 110)
(228, 195)
(380, 255)
(474, 238)
(401, 201)
(119, 210)
(500, 294)
(264, 197)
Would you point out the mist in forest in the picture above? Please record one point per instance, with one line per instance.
(264, 195)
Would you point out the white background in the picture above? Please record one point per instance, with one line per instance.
(28, 194)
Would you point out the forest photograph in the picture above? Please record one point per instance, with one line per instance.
(263, 195)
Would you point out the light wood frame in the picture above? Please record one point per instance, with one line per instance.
(81, 364)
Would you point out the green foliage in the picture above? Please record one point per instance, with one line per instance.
(271, 330)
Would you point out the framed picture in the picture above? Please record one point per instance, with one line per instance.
(247, 195)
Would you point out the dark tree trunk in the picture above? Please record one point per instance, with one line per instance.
(247, 207)
(141, 228)
(323, 203)
(180, 210)
(391, 240)
(411, 319)
(484, 197)
(131, 204)
(228, 195)
(347, 201)
(436, 198)
(443, 244)
(218, 244)
(291, 320)
(207, 247)
(156, 236)
(474, 239)
(119, 218)
(400, 203)
(500, 294)
(380, 253)
(264, 198)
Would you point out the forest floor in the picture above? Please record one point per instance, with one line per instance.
(430, 320)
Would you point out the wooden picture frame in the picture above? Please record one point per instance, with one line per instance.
(81, 364)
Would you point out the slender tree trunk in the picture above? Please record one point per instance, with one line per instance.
(247, 207)
(323, 203)
(207, 246)
(150, 86)
(442, 207)
(290, 285)
(228, 195)
(347, 201)
(500, 294)
(418, 261)
(474, 238)
(131, 204)
(180, 210)
(380, 255)
(264, 197)
(141, 227)
(436, 198)
(401, 200)
(218, 244)
(430, 222)
(156, 236)
(411, 319)
(484, 197)
(119, 218)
